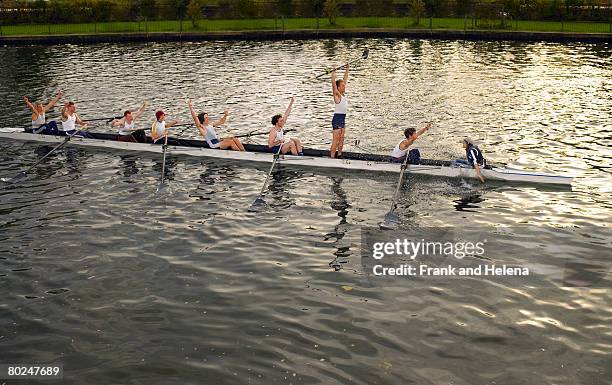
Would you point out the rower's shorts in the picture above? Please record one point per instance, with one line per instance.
(81, 134)
(338, 121)
(463, 163)
(414, 157)
(49, 128)
(137, 136)
(214, 143)
(274, 149)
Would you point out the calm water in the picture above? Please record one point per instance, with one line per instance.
(192, 289)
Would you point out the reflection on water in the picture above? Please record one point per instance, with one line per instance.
(341, 205)
(468, 203)
(121, 288)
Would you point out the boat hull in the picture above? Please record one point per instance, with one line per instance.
(349, 163)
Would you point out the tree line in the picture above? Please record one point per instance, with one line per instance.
(78, 11)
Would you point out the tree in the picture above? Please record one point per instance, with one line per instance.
(417, 7)
(194, 12)
(285, 7)
(148, 9)
(317, 7)
(331, 11)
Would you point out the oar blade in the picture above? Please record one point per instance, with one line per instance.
(161, 187)
(391, 221)
(257, 205)
(366, 52)
(16, 179)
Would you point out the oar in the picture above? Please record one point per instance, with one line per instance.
(392, 220)
(161, 183)
(364, 56)
(19, 177)
(103, 119)
(183, 125)
(259, 202)
(260, 133)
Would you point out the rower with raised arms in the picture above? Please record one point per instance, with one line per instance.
(70, 119)
(400, 152)
(126, 126)
(159, 129)
(341, 107)
(39, 120)
(276, 138)
(126, 130)
(207, 130)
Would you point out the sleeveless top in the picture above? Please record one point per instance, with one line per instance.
(341, 107)
(40, 120)
(398, 152)
(280, 135)
(159, 128)
(69, 124)
(127, 128)
(211, 137)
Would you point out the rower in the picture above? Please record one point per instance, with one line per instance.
(276, 138)
(474, 157)
(401, 149)
(126, 126)
(159, 129)
(69, 119)
(341, 106)
(207, 130)
(39, 121)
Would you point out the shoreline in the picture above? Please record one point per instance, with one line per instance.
(307, 34)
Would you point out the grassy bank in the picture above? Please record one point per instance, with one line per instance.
(303, 23)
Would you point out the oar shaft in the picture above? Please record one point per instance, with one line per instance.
(164, 160)
(259, 133)
(52, 150)
(337, 68)
(399, 183)
(101, 119)
(276, 156)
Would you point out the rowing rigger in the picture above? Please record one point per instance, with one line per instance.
(312, 158)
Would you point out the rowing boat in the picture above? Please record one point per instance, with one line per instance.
(312, 158)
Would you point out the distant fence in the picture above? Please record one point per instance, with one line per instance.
(148, 14)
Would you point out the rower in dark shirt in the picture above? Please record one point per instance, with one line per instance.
(474, 157)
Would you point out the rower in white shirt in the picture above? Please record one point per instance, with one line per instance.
(70, 119)
(159, 129)
(39, 120)
(400, 152)
(126, 130)
(207, 130)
